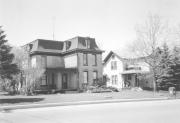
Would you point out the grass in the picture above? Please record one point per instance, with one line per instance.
(59, 98)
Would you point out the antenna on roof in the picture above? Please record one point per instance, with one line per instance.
(53, 24)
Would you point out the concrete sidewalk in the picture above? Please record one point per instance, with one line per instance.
(14, 107)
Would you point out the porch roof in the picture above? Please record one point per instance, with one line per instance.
(134, 72)
(62, 69)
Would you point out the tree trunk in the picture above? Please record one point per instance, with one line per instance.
(154, 82)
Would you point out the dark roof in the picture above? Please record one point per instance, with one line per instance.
(80, 43)
(50, 44)
(110, 54)
(127, 60)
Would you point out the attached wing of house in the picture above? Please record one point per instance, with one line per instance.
(122, 72)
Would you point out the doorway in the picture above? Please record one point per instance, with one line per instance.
(64, 81)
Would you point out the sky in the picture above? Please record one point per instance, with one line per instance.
(111, 22)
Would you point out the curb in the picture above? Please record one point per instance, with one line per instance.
(7, 108)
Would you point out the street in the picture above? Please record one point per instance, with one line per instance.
(165, 111)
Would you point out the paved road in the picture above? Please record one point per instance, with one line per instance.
(127, 112)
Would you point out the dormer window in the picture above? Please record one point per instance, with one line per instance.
(87, 43)
(29, 47)
(68, 44)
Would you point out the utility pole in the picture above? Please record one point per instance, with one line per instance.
(53, 27)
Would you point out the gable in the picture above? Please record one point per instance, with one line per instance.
(119, 62)
(111, 55)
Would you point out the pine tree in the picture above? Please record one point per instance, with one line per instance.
(166, 71)
(7, 68)
(176, 66)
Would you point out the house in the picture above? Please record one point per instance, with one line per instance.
(68, 64)
(122, 72)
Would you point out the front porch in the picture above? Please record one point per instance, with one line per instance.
(132, 78)
(59, 79)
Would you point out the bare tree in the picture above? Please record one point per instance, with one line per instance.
(29, 76)
(150, 36)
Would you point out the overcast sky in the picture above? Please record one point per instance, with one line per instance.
(110, 22)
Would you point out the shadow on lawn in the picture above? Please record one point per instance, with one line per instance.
(20, 100)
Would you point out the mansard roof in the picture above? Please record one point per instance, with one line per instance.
(80, 43)
(62, 47)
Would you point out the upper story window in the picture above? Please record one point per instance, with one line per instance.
(94, 58)
(113, 65)
(33, 62)
(44, 61)
(85, 59)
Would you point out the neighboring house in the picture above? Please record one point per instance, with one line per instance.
(69, 64)
(121, 72)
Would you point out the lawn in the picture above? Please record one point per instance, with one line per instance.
(60, 98)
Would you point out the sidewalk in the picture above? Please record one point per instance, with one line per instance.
(14, 107)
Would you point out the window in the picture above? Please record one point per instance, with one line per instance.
(25, 64)
(85, 59)
(44, 80)
(113, 65)
(68, 45)
(87, 43)
(95, 76)
(85, 76)
(44, 61)
(94, 59)
(33, 62)
(29, 47)
(129, 77)
(114, 79)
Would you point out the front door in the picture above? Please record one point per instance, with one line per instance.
(136, 80)
(53, 81)
(64, 81)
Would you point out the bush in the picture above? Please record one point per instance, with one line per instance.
(98, 82)
(148, 88)
(96, 89)
(113, 89)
